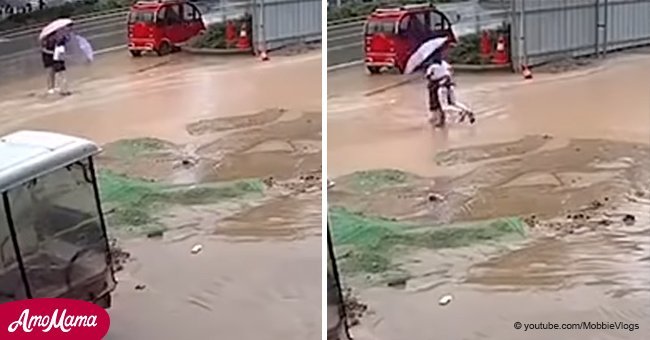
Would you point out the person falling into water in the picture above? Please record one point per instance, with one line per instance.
(442, 94)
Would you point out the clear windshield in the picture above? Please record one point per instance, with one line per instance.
(380, 26)
(143, 16)
(59, 233)
(11, 283)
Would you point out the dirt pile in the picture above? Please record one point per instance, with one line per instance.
(256, 158)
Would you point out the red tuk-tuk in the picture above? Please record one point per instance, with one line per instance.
(391, 35)
(162, 26)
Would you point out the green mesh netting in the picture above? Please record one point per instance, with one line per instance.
(378, 179)
(370, 244)
(134, 202)
(131, 148)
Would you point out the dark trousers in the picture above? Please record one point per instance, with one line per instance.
(434, 100)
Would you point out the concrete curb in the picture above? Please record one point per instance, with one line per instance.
(471, 68)
(217, 51)
(457, 67)
(390, 86)
(344, 65)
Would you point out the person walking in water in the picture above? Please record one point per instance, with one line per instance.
(47, 54)
(442, 94)
(58, 65)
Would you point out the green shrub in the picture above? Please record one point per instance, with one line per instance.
(215, 35)
(468, 49)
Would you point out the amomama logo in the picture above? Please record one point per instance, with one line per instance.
(53, 319)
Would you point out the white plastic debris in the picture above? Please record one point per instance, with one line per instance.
(445, 300)
(197, 249)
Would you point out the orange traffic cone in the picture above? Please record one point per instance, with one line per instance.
(525, 71)
(264, 56)
(243, 43)
(501, 56)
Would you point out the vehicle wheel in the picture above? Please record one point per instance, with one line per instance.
(165, 48)
(135, 53)
(374, 69)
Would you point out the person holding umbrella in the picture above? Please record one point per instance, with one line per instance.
(58, 66)
(442, 93)
(51, 37)
(440, 84)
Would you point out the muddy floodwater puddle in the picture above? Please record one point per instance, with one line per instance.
(569, 202)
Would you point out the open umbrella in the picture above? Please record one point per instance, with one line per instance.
(53, 27)
(85, 47)
(423, 53)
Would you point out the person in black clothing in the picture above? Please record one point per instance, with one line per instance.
(59, 68)
(48, 44)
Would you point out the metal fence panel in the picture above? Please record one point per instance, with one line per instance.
(543, 30)
(628, 24)
(278, 23)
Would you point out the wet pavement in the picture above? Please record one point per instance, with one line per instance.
(567, 152)
(210, 120)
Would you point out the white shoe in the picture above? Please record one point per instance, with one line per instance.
(51, 91)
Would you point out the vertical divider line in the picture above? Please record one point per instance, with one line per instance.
(324, 178)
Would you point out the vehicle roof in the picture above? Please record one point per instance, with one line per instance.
(155, 4)
(25, 155)
(397, 12)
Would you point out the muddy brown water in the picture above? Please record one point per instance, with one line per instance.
(258, 274)
(545, 150)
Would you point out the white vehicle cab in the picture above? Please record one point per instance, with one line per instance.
(53, 240)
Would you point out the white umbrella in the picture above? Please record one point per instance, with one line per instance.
(53, 27)
(85, 47)
(423, 53)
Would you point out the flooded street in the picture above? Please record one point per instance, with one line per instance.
(538, 213)
(210, 152)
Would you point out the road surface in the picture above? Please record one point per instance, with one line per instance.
(19, 52)
(259, 274)
(542, 149)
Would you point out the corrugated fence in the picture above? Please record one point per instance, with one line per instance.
(277, 23)
(543, 30)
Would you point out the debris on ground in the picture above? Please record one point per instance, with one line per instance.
(186, 162)
(354, 309)
(433, 197)
(399, 282)
(531, 221)
(119, 256)
(596, 204)
(445, 300)
(269, 181)
(629, 219)
(156, 234)
(197, 249)
(140, 287)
